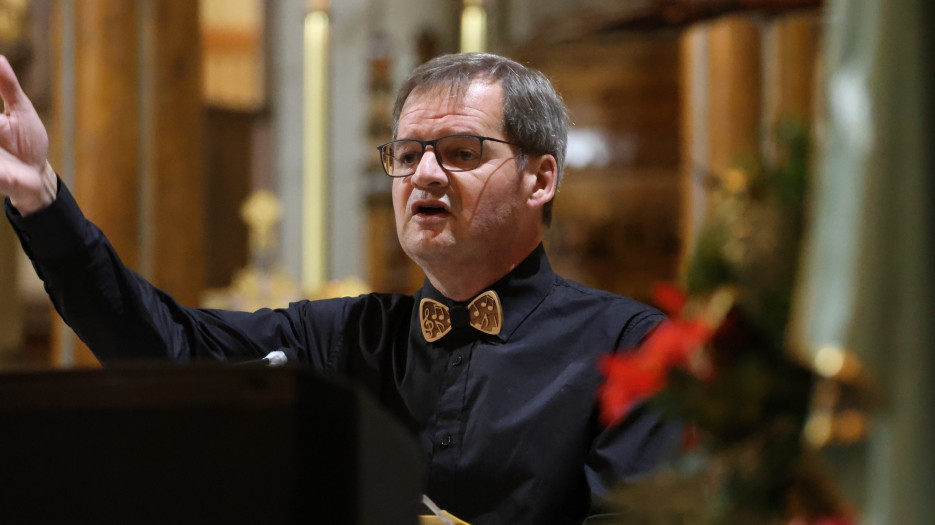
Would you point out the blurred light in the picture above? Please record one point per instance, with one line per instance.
(587, 147)
(473, 29)
(315, 159)
(851, 426)
(852, 107)
(818, 429)
(829, 361)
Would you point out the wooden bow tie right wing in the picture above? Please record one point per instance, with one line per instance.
(486, 314)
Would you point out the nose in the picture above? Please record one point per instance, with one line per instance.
(429, 172)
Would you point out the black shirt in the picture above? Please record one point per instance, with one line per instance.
(507, 422)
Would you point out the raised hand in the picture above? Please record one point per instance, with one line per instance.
(25, 174)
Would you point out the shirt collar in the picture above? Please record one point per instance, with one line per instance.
(520, 291)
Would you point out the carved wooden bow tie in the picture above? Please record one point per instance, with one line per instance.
(483, 313)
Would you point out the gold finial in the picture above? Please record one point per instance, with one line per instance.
(261, 212)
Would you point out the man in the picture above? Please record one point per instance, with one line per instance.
(502, 403)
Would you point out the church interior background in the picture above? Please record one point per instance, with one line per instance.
(227, 149)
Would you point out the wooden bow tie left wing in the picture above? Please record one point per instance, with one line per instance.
(484, 314)
(436, 322)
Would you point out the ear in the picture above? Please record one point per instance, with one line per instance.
(542, 176)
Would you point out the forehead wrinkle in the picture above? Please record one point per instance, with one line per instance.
(452, 89)
(429, 106)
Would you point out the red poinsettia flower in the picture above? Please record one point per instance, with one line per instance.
(642, 372)
(669, 298)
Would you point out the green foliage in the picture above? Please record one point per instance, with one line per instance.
(751, 409)
(752, 238)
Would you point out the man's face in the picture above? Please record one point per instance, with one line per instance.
(458, 217)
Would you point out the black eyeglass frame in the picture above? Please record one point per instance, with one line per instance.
(438, 158)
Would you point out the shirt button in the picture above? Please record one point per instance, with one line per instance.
(446, 441)
(457, 360)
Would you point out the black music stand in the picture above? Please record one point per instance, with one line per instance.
(200, 444)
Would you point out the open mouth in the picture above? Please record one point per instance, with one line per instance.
(430, 210)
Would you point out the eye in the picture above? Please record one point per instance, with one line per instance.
(407, 153)
(466, 155)
(460, 152)
(407, 158)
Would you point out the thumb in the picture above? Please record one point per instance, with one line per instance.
(10, 89)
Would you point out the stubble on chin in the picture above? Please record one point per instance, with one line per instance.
(426, 246)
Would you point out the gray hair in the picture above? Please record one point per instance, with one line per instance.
(534, 115)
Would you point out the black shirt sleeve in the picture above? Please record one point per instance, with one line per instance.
(121, 316)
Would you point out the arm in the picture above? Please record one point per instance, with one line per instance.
(66, 251)
(635, 447)
(121, 316)
(115, 311)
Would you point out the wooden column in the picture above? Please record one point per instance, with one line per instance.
(11, 325)
(693, 128)
(16, 46)
(795, 40)
(174, 160)
(721, 107)
(107, 120)
(106, 126)
(733, 92)
(137, 137)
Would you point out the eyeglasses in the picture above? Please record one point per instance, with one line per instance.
(453, 153)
